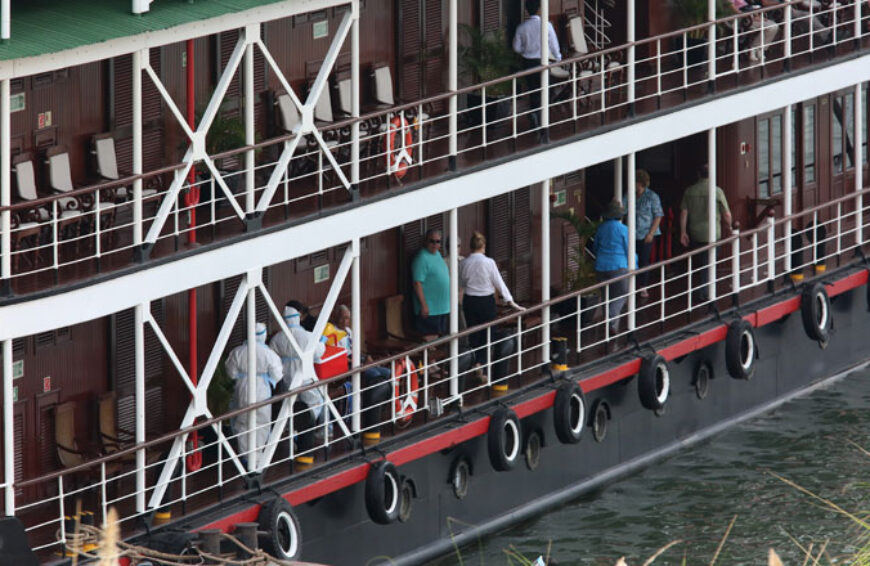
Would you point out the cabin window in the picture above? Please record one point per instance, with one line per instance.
(769, 154)
(809, 143)
(843, 122)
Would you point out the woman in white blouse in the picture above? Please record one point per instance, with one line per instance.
(480, 279)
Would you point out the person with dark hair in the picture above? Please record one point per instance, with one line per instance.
(306, 321)
(480, 279)
(694, 225)
(527, 44)
(648, 215)
(431, 280)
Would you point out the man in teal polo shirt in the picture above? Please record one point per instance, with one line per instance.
(431, 288)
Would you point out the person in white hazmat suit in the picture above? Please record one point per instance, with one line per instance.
(309, 406)
(269, 373)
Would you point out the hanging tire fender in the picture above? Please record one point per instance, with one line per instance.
(816, 312)
(654, 382)
(280, 534)
(741, 350)
(504, 439)
(383, 492)
(569, 413)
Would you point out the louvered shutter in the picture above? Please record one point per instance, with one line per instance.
(522, 243)
(230, 286)
(410, 45)
(433, 56)
(122, 114)
(226, 44)
(498, 240)
(19, 436)
(490, 15)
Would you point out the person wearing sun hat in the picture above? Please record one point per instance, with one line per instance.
(611, 259)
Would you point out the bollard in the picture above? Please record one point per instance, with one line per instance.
(499, 389)
(560, 353)
(302, 463)
(210, 542)
(247, 534)
(371, 438)
(161, 517)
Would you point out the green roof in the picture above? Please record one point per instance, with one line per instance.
(50, 26)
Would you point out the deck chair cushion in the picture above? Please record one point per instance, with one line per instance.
(578, 38)
(26, 180)
(59, 172)
(384, 86)
(344, 97)
(323, 108)
(289, 113)
(107, 163)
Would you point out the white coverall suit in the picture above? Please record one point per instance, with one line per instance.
(269, 373)
(294, 376)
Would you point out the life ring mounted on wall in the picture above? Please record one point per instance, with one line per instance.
(406, 386)
(399, 146)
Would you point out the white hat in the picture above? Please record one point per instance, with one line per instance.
(261, 332)
(290, 312)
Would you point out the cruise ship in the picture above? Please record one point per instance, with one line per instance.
(174, 173)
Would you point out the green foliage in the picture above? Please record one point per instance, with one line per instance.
(584, 276)
(485, 57)
(220, 391)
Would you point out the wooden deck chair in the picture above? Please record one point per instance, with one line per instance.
(69, 452)
(107, 168)
(113, 438)
(383, 78)
(60, 180)
(290, 121)
(345, 108)
(24, 234)
(587, 80)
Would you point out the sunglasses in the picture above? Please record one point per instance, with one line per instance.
(431, 241)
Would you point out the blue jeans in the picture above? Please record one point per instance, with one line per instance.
(618, 294)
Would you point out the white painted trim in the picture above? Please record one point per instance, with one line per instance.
(101, 299)
(27, 66)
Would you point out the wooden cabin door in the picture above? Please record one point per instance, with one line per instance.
(842, 155)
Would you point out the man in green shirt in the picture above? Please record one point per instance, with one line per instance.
(694, 227)
(431, 288)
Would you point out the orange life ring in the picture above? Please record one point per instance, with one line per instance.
(399, 158)
(405, 377)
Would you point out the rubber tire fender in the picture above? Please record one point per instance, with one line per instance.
(280, 532)
(816, 312)
(734, 353)
(504, 439)
(569, 413)
(652, 390)
(383, 492)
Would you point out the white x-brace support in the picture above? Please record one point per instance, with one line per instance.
(196, 151)
(198, 405)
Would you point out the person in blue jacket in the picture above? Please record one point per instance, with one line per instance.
(611, 259)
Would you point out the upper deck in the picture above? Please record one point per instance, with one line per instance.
(330, 155)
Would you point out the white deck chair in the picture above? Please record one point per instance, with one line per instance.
(60, 180)
(384, 92)
(107, 167)
(586, 72)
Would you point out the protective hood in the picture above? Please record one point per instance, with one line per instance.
(261, 333)
(291, 315)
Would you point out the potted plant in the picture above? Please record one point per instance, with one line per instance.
(485, 57)
(584, 275)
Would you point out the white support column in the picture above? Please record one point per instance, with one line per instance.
(788, 141)
(711, 40)
(139, 388)
(251, 320)
(859, 165)
(630, 38)
(632, 237)
(545, 270)
(252, 32)
(5, 188)
(857, 24)
(786, 33)
(712, 225)
(356, 330)
(545, 60)
(137, 144)
(617, 178)
(6, 18)
(8, 429)
(454, 301)
(354, 112)
(453, 79)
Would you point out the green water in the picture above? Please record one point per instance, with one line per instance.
(693, 495)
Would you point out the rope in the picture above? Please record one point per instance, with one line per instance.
(90, 535)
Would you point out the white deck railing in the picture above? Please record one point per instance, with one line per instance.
(584, 92)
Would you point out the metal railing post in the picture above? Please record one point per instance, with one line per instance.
(356, 329)
(5, 190)
(137, 146)
(454, 302)
(735, 264)
(453, 82)
(545, 270)
(771, 249)
(8, 430)
(139, 365)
